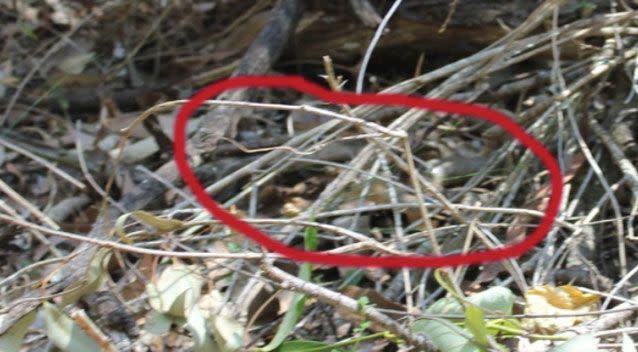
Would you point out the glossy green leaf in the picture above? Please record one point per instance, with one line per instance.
(475, 323)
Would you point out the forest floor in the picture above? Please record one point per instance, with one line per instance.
(493, 209)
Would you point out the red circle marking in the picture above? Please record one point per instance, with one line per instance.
(301, 85)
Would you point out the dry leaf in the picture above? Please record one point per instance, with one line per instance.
(294, 207)
(562, 300)
(160, 224)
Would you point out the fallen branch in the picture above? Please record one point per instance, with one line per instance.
(336, 299)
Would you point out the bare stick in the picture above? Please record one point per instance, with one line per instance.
(336, 299)
(27, 205)
(56, 170)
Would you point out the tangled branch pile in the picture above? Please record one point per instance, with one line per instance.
(104, 248)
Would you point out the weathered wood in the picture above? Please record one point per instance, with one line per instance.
(259, 58)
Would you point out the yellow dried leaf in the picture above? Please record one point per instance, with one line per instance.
(579, 298)
(558, 301)
(565, 297)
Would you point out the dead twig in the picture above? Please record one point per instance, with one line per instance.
(258, 59)
(293, 283)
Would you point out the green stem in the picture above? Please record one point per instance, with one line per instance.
(349, 342)
(520, 332)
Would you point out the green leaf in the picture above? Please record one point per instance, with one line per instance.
(449, 337)
(160, 224)
(511, 324)
(288, 323)
(64, 333)
(579, 343)
(157, 323)
(352, 277)
(234, 247)
(362, 303)
(442, 332)
(196, 324)
(173, 299)
(64, 104)
(229, 334)
(446, 306)
(444, 337)
(362, 327)
(27, 30)
(118, 227)
(95, 275)
(475, 323)
(11, 340)
(310, 239)
(176, 291)
(494, 300)
(445, 281)
(300, 346)
(299, 300)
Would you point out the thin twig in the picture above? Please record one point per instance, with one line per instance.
(4, 206)
(56, 170)
(134, 249)
(373, 44)
(85, 170)
(27, 205)
(337, 299)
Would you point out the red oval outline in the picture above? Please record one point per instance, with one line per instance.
(301, 85)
